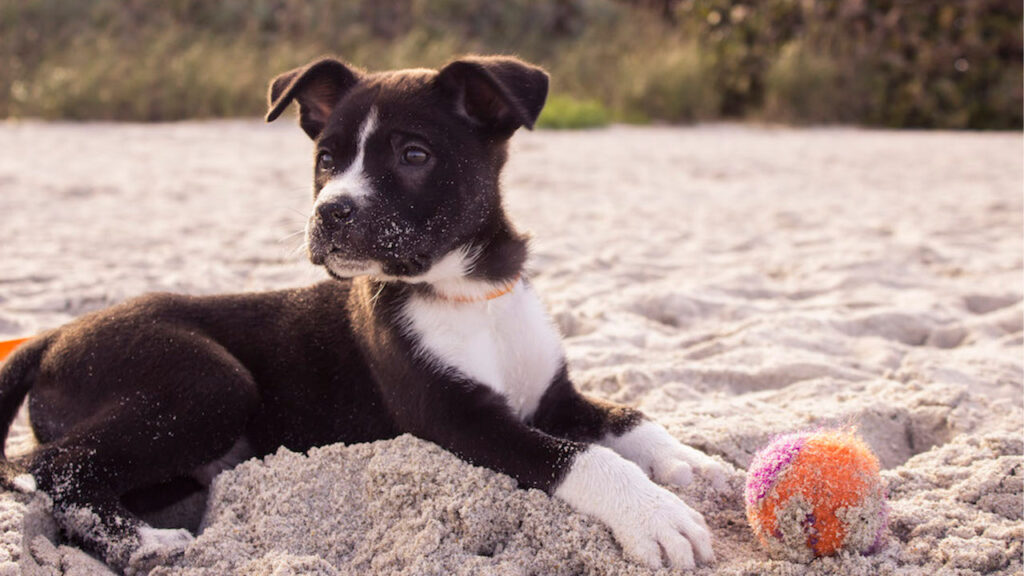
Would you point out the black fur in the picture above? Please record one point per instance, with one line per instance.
(317, 86)
(454, 199)
(566, 413)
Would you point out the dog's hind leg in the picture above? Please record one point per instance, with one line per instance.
(164, 429)
(87, 510)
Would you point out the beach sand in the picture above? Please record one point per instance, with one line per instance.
(732, 282)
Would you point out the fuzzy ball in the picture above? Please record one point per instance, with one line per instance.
(815, 493)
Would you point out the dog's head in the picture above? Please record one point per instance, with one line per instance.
(407, 165)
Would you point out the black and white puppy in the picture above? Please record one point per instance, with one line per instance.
(430, 327)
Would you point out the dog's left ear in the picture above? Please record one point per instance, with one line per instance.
(317, 86)
(499, 93)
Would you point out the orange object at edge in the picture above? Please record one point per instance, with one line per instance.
(8, 346)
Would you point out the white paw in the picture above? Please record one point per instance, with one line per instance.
(158, 546)
(24, 483)
(653, 525)
(665, 459)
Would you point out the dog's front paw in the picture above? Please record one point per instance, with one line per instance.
(665, 528)
(653, 525)
(665, 459)
(157, 547)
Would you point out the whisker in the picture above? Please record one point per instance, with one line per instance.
(373, 300)
(292, 235)
(298, 249)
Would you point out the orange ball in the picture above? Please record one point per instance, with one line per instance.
(816, 493)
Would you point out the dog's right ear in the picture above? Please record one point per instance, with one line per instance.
(317, 86)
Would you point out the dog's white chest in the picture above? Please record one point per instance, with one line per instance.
(507, 344)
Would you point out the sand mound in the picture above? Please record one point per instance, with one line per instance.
(733, 283)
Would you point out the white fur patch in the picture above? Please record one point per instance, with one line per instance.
(646, 519)
(163, 538)
(352, 268)
(448, 277)
(24, 483)
(353, 182)
(157, 547)
(664, 458)
(453, 267)
(507, 344)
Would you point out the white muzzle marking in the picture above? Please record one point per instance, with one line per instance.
(353, 182)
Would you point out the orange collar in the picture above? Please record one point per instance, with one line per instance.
(496, 293)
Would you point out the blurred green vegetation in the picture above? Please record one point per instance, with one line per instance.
(568, 112)
(897, 63)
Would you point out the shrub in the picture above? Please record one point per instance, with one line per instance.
(802, 86)
(567, 112)
(900, 63)
(676, 85)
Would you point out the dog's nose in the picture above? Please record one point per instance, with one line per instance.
(336, 212)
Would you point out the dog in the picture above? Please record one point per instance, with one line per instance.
(429, 325)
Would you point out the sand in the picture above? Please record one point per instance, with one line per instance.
(733, 282)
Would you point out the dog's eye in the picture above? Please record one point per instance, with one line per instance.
(415, 156)
(324, 161)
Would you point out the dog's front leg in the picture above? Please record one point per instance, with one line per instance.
(566, 413)
(652, 524)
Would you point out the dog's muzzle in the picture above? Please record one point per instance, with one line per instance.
(339, 233)
(336, 213)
